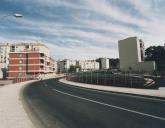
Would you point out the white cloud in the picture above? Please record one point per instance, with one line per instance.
(91, 52)
(89, 30)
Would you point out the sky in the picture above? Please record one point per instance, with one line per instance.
(83, 29)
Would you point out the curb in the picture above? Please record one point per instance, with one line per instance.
(129, 91)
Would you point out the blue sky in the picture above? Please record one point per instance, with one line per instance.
(83, 29)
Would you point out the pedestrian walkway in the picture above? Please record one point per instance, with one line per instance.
(147, 92)
(12, 113)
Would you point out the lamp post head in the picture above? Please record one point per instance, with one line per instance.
(17, 15)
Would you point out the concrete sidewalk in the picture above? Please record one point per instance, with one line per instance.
(12, 113)
(147, 92)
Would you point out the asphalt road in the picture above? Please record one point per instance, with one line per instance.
(58, 105)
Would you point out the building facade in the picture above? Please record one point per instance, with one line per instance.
(64, 65)
(132, 54)
(29, 60)
(4, 55)
(87, 65)
(104, 63)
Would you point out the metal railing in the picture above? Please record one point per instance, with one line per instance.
(108, 79)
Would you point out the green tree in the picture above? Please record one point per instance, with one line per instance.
(73, 68)
(114, 63)
(157, 54)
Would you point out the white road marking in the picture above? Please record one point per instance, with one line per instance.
(128, 95)
(112, 106)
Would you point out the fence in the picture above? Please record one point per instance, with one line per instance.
(17, 80)
(108, 79)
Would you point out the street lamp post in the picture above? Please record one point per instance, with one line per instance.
(16, 15)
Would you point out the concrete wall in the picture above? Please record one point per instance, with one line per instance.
(147, 66)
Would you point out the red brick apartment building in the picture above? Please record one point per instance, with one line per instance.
(28, 60)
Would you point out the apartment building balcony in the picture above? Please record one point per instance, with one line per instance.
(42, 61)
(42, 55)
(36, 71)
(14, 50)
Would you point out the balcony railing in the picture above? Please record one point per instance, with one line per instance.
(24, 50)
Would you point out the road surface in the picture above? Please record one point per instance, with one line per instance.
(58, 105)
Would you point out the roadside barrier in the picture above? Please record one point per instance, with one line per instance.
(110, 79)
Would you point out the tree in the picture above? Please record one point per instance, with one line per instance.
(73, 68)
(114, 63)
(157, 54)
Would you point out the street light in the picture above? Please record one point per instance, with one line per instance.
(16, 15)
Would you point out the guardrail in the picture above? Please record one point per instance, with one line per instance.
(110, 79)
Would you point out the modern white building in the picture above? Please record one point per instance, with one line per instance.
(132, 54)
(103, 63)
(64, 65)
(87, 65)
(4, 55)
(4, 59)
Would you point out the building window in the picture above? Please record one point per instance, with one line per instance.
(20, 55)
(12, 48)
(20, 74)
(27, 46)
(20, 68)
(20, 61)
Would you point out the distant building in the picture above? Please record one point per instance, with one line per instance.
(114, 63)
(87, 65)
(103, 63)
(53, 65)
(132, 54)
(64, 65)
(29, 60)
(4, 59)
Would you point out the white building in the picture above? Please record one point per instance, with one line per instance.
(104, 63)
(4, 55)
(88, 65)
(4, 59)
(64, 65)
(51, 65)
(132, 54)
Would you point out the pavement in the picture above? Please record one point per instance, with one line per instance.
(5, 82)
(59, 105)
(13, 110)
(145, 92)
(12, 113)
